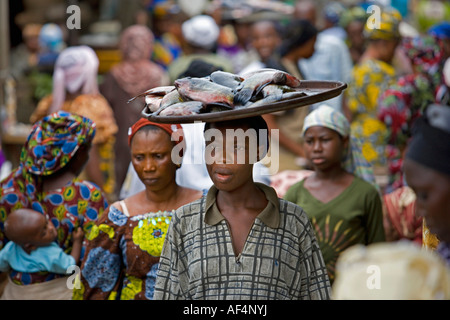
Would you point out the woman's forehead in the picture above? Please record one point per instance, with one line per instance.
(315, 130)
(151, 138)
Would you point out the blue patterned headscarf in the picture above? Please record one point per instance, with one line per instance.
(353, 160)
(54, 140)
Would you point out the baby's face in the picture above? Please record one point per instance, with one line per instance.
(44, 231)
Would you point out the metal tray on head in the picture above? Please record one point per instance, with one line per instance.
(316, 91)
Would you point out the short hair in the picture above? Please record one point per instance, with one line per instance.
(296, 34)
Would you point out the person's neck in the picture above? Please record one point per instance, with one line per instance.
(239, 197)
(164, 198)
(291, 58)
(73, 95)
(57, 180)
(371, 53)
(331, 174)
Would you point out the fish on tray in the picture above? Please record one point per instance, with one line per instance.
(226, 79)
(219, 92)
(204, 90)
(254, 82)
(170, 98)
(153, 102)
(186, 108)
(157, 91)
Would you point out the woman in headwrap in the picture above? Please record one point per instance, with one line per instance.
(341, 196)
(47, 181)
(427, 172)
(132, 76)
(372, 75)
(75, 90)
(124, 247)
(406, 100)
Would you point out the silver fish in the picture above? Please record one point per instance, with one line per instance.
(171, 98)
(183, 109)
(291, 81)
(203, 90)
(253, 84)
(157, 91)
(153, 102)
(226, 79)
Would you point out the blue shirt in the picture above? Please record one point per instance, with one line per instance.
(50, 258)
(331, 61)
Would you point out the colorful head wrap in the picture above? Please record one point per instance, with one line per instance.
(353, 160)
(76, 68)
(425, 53)
(388, 28)
(169, 128)
(54, 140)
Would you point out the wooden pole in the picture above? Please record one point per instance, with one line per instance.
(4, 53)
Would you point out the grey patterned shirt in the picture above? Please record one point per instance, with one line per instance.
(280, 259)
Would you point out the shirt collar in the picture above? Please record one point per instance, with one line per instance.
(270, 216)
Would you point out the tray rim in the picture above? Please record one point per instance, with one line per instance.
(329, 89)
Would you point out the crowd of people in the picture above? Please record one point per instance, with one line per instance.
(361, 180)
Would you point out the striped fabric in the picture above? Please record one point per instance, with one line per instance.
(353, 161)
(280, 261)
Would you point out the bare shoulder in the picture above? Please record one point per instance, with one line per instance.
(191, 194)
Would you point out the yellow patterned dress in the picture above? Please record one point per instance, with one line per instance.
(369, 79)
(122, 256)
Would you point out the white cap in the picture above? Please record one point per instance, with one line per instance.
(201, 31)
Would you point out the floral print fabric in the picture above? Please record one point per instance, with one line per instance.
(369, 79)
(406, 100)
(122, 256)
(79, 203)
(54, 140)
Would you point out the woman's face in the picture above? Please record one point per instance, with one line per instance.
(432, 191)
(324, 147)
(151, 158)
(355, 33)
(387, 49)
(265, 39)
